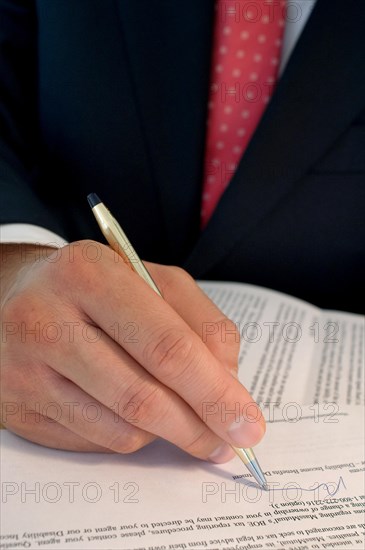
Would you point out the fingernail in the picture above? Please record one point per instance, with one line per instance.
(223, 453)
(244, 433)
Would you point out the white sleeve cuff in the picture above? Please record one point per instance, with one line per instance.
(30, 234)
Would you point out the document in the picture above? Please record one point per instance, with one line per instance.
(292, 350)
(305, 368)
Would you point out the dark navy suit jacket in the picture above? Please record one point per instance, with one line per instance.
(110, 96)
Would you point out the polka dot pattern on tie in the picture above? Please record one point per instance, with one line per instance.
(245, 60)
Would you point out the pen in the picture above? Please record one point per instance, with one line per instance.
(119, 242)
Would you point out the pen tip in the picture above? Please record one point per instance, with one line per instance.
(93, 199)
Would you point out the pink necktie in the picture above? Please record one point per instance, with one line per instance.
(245, 62)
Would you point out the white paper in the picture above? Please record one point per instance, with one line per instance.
(162, 499)
(291, 350)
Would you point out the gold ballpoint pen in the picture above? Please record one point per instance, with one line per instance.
(119, 242)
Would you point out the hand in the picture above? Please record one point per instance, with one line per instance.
(94, 360)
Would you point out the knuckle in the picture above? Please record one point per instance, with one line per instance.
(80, 271)
(197, 445)
(23, 317)
(172, 354)
(141, 403)
(127, 443)
(31, 322)
(75, 263)
(180, 273)
(218, 394)
(18, 308)
(172, 276)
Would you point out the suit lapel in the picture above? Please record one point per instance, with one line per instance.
(168, 46)
(310, 108)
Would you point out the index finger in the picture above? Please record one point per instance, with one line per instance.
(216, 330)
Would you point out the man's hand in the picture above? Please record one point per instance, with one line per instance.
(94, 360)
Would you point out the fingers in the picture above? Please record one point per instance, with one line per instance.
(132, 403)
(140, 357)
(38, 429)
(218, 332)
(172, 353)
(35, 405)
